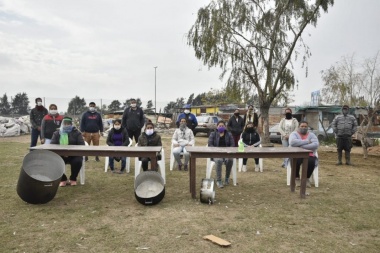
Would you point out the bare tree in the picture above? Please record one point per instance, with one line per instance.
(370, 81)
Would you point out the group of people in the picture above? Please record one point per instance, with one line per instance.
(56, 129)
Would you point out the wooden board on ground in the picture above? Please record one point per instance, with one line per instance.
(217, 240)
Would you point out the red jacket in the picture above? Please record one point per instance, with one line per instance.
(49, 125)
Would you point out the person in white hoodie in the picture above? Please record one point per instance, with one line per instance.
(307, 140)
(286, 127)
(182, 137)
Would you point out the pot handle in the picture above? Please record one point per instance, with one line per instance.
(148, 202)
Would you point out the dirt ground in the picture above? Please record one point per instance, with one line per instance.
(260, 214)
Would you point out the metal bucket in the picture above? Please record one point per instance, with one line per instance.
(40, 175)
(149, 188)
(207, 191)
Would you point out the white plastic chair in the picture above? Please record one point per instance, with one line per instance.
(161, 165)
(261, 163)
(313, 178)
(210, 165)
(172, 160)
(127, 160)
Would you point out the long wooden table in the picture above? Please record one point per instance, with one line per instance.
(113, 151)
(250, 152)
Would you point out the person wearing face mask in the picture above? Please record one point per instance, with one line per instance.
(50, 123)
(36, 116)
(251, 116)
(91, 126)
(250, 138)
(149, 138)
(286, 127)
(235, 126)
(306, 140)
(222, 138)
(182, 137)
(133, 119)
(69, 135)
(117, 136)
(191, 120)
(344, 126)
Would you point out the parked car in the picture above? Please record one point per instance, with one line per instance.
(275, 135)
(206, 124)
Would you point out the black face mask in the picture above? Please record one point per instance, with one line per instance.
(250, 130)
(288, 115)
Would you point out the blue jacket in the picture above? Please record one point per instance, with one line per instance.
(192, 122)
(91, 122)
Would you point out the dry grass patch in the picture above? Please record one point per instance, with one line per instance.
(258, 215)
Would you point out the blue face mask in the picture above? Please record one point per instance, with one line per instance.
(67, 129)
(221, 129)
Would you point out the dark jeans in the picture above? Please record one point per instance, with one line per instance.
(111, 162)
(34, 137)
(134, 134)
(310, 166)
(344, 143)
(245, 161)
(145, 162)
(236, 138)
(76, 164)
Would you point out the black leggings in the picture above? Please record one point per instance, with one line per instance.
(76, 164)
(310, 166)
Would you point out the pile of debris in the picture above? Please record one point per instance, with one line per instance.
(14, 126)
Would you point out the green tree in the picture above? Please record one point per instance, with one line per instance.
(77, 106)
(5, 106)
(114, 106)
(253, 41)
(190, 99)
(20, 104)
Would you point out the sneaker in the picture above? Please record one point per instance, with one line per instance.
(97, 159)
(227, 181)
(219, 184)
(283, 165)
(86, 159)
(298, 182)
(62, 183)
(257, 168)
(179, 166)
(308, 184)
(73, 183)
(122, 171)
(185, 168)
(244, 169)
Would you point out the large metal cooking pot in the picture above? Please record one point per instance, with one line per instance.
(40, 175)
(149, 188)
(207, 194)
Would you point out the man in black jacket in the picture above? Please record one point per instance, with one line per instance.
(36, 116)
(133, 120)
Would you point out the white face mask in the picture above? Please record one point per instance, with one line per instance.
(149, 131)
(133, 105)
(117, 127)
(186, 111)
(52, 112)
(92, 109)
(39, 103)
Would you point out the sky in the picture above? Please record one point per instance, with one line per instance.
(108, 49)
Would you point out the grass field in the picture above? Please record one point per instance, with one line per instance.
(260, 214)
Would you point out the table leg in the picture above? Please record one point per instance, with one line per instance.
(304, 178)
(153, 162)
(192, 174)
(293, 163)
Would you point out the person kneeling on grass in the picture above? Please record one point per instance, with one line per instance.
(69, 135)
(306, 140)
(149, 138)
(118, 136)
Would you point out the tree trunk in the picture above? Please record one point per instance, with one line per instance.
(264, 109)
